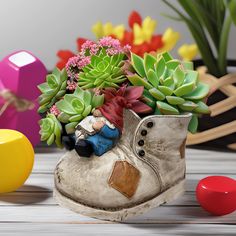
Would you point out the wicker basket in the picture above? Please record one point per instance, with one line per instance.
(224, 85)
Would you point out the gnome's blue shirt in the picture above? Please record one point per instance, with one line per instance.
(104, 140)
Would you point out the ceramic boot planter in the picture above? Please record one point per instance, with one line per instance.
(144, 170)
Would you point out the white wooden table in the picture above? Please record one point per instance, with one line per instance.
(31, 210)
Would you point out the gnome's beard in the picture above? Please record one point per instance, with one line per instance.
(85, 127)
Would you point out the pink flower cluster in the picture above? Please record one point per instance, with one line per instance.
(54, 110)
(77, 63)
(89, 46)
(71, 85)
(113, 46)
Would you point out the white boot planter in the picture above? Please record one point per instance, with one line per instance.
(126, 142)
(145, 169)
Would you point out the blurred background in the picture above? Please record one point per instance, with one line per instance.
(43, 27)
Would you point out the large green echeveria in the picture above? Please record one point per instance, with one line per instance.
(103, 71)
(52, 90)
(50, 130)
(171, 86)
(74, 107)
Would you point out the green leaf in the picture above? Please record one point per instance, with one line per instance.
(169, 82)
(193, 124)
(184, 89)
(52, 81)
(160, 67)
(44, 87)
(198, 93)
(188, 106)
(87, 111)
(87, 98)
(188, 65)
(167, 109)
(157, 111)
(179, 76)
(152, 78)
(149, 62)
(165, 90)
(167, 57)
(173, 100)
(63, 106)
(202, 108)
(156, 94)
(76, 118)
(224, 38)
(63, 75)
(42, 108)
(148, 99)
(70, 128)
(51, 139)
(78, 106)
(63, 117)
(232, 9)
(191, 76)
(56, 72)
(138, 64)
(171, 65)
(97, 100)
(138, 81)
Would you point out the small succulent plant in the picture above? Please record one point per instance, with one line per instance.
(99, 65)
(74, 107)
(50, 130)
(103, 71)
(171, 86)
(52, 90)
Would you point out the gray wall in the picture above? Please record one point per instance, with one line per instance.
(44, 26)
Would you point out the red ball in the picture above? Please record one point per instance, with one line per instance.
(217, 194)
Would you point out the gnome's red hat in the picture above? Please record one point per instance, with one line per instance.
(117, 100)
(113, 111)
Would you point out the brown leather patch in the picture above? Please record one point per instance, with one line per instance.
(182, 149)
(124, 178)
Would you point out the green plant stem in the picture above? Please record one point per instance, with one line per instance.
(223, 45)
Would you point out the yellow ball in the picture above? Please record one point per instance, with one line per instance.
(16, 160)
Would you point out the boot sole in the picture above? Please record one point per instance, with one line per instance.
(121, 214)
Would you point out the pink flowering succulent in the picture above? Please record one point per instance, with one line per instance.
(99, 65)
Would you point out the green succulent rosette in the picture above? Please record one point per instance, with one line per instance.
(74, 107)
(171, 87)
(53, 89)
(50, 130)
(103, 71)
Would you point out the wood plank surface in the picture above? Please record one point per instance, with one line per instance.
(31, 210)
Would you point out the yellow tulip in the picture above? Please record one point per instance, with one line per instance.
(188, 52)
(107, 28)
(169, 38)
(101, 30)
(144, 32)
(119, 31)
(97, 29)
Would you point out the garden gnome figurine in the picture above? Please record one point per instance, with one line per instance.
(20, 73)
(99, 133)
